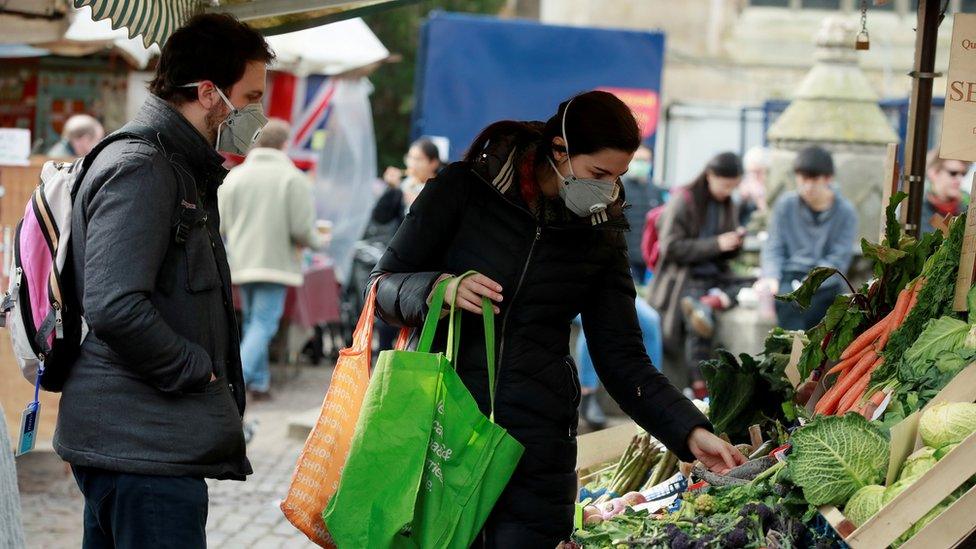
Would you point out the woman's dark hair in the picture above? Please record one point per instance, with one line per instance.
(428, 148)
(726, 164)
(213, 47)
(596, 120)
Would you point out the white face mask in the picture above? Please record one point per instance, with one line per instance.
(583, 196)
(242, 126)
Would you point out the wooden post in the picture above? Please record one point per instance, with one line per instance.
(890, 186)
(920, 108)
(967, 262)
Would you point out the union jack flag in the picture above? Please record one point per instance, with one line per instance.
(306, 103)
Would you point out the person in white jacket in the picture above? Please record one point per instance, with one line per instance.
(267, 216)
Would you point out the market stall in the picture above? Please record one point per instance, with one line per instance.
(859, 431)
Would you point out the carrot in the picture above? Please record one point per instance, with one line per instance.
(832, 398)
(845, 364)
(853, 396)
(864, 340)
(906, 300)
(872, 404)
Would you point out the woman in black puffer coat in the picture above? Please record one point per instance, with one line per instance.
(548, 247)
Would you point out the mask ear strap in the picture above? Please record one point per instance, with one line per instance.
(566, 139)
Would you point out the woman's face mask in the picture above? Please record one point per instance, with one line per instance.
(583, 196)
(241, 128)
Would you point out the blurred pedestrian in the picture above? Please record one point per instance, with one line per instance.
(752, 191)
(642, 195)
(699, 235)
(153, 404)
(267, 214)
(811, 227)
(11, 525)
(944, 194)
(423, 162)
(79, 136)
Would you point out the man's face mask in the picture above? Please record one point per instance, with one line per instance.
(242, 126)
(585, 196)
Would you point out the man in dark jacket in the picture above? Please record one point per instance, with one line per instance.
(154, 402)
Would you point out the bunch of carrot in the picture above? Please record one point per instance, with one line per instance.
(861, 358)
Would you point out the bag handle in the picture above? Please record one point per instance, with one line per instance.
(454, 338)
(362, 337)
(454, 331)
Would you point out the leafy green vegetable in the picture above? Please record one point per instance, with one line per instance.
(934, 301)
(941, 334)
(882, 254)
(864, 504)
(803, 295)
(833, 457)
(747, 390)
(918, 463)
(897, 488)
(947, 423)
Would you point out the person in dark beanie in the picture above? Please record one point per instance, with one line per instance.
(813, 226)
(154, 402)
(699, 234)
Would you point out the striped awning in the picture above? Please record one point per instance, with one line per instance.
(156, 20)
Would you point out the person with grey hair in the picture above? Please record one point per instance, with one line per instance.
(80, 135)
(267, 215)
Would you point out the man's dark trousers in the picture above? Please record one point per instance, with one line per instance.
(128, 511)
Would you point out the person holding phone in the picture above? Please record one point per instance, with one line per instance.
(699, 235)
(536, 209)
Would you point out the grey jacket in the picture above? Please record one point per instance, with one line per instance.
(798, 241)
(139, 397)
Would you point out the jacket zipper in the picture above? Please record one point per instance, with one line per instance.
(518, 286)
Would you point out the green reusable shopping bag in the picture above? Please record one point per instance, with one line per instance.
(426, 466)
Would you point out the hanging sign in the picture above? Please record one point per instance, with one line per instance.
(959, 119)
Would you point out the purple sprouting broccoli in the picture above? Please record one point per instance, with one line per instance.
(736, 538)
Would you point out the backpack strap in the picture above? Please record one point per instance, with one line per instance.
(189, 213)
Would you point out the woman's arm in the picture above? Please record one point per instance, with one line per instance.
(617, 349)
(413, 262)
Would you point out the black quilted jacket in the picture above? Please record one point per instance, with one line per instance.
(550, 271)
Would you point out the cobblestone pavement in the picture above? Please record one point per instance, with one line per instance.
(242, 514)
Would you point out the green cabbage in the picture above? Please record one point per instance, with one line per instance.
(947, 423)
(941, 452)
(940, 334)
(864, 504)
(925, 520)
(919, 463)
(833, 457)
(892, 491)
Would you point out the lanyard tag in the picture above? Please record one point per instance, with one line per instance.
(28, 428)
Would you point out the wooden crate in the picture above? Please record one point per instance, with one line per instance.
(955, 523)
(599, 447)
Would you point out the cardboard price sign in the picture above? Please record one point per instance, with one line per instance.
(959, 119)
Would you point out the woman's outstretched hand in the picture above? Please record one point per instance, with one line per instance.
(471, 291)
(714, 453)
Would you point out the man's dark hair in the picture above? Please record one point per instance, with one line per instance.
(213, 47)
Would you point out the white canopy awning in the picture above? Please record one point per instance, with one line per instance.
(156, 20)
(330, 49)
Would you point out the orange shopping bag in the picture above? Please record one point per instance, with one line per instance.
(320, 464)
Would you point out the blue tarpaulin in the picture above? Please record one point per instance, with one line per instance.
(474, 70)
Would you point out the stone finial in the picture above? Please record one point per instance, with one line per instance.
(835, 40)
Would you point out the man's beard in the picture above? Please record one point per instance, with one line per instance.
(212, 121)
